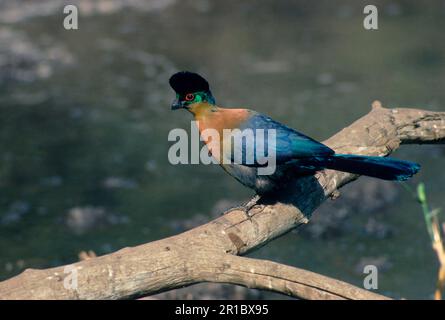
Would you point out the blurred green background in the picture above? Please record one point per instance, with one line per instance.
(84, 119)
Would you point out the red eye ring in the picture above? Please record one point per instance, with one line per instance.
(189, 97)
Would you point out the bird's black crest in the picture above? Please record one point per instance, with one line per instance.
(187, 82)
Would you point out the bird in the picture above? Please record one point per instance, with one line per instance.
(296, 154)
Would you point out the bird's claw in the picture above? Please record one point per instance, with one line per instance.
(245, 207)
(335, 194)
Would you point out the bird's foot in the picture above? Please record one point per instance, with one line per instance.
(246, 207)
(335, 194)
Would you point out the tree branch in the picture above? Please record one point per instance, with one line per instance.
(208, 252)
(272, 276)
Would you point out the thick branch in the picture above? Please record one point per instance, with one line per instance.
(272, 276)
(206, 253)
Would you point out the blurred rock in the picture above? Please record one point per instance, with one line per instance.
(270, 67)
(21, 60)
(20, 10)
(119, 182)
(151, 166)
(370, 195)
(18, 265)
(345, 87)
(377, 229)
(9, 267)
(382, 263)
(325, 78)
(15, 212)
(83, 219)
(210, 291)
(80, 220)
(53, 181)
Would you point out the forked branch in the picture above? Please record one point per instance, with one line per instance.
(210, 251)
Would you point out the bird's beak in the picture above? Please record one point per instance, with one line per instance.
(176, 104)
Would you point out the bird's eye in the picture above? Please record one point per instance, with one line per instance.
(189, 97)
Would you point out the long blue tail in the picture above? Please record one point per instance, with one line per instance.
(377, 167)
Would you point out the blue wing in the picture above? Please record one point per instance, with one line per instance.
(289, 144)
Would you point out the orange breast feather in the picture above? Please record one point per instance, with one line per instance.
(219, 119)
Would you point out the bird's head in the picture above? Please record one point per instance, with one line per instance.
(190, 89)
